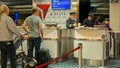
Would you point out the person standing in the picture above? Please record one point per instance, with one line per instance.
(107, 24)
(33, 25)
(7, 29)
(88, 21)
(72, 21)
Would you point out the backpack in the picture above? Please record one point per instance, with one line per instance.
(44, 56)
(27, 62)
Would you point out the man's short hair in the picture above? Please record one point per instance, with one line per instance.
(71, 13)
(91, 15)
(34, 10)
(106, 19)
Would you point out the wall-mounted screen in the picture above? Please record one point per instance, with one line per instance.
(16, 15)
(60, 4)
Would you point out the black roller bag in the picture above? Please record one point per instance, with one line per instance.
(44, 56)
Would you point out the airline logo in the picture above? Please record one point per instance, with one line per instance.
(43, 10)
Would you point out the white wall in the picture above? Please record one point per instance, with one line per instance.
(53, 16)
(115, 16)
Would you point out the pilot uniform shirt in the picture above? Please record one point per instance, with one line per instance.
(70, 22)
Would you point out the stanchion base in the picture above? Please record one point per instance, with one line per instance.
(91, 62)
(101, 67)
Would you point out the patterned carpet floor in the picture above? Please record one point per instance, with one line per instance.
(71, 64)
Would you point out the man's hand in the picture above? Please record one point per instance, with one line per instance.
(75, 24)
(41, 39)
(25, 37)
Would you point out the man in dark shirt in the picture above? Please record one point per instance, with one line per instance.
(88, 21)
(71, 22)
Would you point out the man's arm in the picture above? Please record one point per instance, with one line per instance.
(13, 29)
(84, 22)
(41, 31)
(67, 23)
(24, 26)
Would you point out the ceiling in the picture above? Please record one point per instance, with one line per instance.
(16, 2)
(23, 6)
(26, 5)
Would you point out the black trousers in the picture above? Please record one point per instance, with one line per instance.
(8, 51)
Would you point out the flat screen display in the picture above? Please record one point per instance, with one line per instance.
(16, 15)
(60, 4)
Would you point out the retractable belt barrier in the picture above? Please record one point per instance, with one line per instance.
(57, 58)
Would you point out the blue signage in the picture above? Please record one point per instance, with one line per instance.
(60, 4)
(16, 15)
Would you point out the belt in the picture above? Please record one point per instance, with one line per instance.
(5, 41)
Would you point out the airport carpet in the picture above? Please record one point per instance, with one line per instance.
(71, 64)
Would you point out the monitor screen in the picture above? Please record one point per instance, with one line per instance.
(60, 4)
(16, 15)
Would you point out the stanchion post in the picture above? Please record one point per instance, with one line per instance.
(80, 56)
(104, 44)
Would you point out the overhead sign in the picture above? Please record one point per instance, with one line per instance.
(60, 4)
